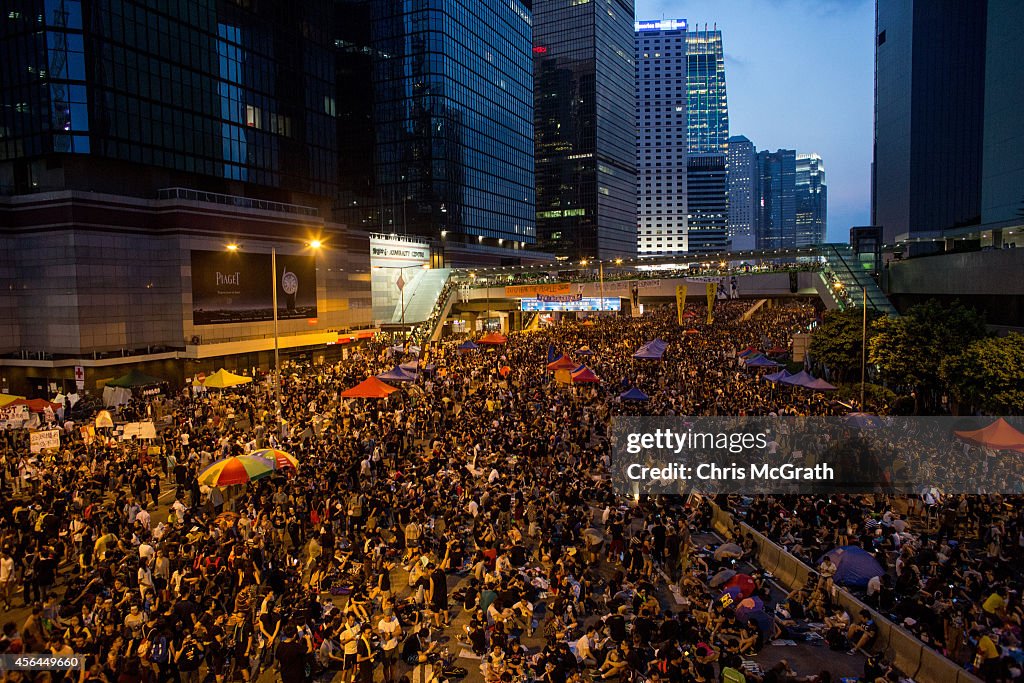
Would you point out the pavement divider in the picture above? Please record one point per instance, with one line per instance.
(915, 659)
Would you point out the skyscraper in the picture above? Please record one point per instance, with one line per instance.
(811, 200)
(707, 107)
(159, 133)
(776, 177)
(707, 113)
(929, 113)
(662, 132)
(743, 197)
(584, 127)
(445, 116)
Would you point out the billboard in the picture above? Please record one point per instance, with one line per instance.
(235, 287)
(537, 290)
(395, 264)
(587, 303)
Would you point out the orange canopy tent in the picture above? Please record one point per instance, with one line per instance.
(492, 338)
(369, 388)
(999, 436)
(36, 405)
(563, 362)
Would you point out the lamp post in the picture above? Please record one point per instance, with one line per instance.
(315, 245)
(863, 344)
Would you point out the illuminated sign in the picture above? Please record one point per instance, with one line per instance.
(534, 290)
(583, 304)
(663, 25)
(540, 49)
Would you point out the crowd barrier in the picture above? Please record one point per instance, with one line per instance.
(910, 655)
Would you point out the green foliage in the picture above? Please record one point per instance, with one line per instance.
(837, 342)
(988, 374)
(909, 350)
(874, 394)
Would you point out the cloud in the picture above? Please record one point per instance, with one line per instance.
(820, 8)
(734, 63)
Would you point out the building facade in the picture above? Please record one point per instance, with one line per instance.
(662, 136)
(811, 200)
(930, 89)
(776, 220)
(438, 98)
(141, 139)
(743, 197)
(584, 128)
(707, 113)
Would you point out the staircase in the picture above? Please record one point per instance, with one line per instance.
(421, 294)
(845, 267)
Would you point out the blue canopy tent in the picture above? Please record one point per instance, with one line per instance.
(854, 566)
(584, 351)
(467, 346)
(820, 385)
(759, 362)
(414, 366)
(652, 350)
(634, 394)
(397, 374)
(778, 376)
(800, 379)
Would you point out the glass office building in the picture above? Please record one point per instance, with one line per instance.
(707, 106)
(584, 119)
(811, 200)
(930, 90)
(743, 198)
(776, 221)
(227, 91)
(438, 129)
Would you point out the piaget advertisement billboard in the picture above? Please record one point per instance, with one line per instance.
(236, 287)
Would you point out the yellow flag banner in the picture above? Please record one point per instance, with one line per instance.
(680, 302)
(712, 289)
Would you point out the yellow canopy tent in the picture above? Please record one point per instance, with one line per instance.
(8, 398)
(222, 379)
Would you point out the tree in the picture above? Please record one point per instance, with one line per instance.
(909, 350)
(837, 342)
(988, 374)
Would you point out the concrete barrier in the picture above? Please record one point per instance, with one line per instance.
(917, 660)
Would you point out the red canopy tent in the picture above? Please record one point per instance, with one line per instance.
(370, 387)
(492, 338)
(36, 405)
(999, 436)
(584, 374)
(563, 362)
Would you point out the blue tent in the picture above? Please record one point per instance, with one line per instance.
(759, 362)
(778, 376)
(414, 366)
(800, 379)
(584, 351)
(552, 354)
(467, 346)
(854, 566)
(652, 350)
(397, 374)
(634, 394)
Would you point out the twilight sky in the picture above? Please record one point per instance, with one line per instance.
(799, 75)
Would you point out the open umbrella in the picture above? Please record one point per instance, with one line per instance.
(721, 577)
(280, 459)
(863, 421)
(236, 470)
(744, 582)
(728, 550)
(747, 607)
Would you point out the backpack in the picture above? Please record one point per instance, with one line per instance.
(158, 650)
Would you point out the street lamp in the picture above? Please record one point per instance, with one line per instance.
(314, 244)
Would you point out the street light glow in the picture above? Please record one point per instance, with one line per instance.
(232, 247)
(315, 244)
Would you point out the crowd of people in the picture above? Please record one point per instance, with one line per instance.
(463, 522)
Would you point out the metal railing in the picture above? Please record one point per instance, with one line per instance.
(191, 195)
